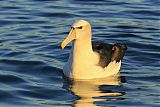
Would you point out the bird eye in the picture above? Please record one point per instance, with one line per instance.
(80, 27)
(72, 28)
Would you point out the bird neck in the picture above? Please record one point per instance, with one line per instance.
(82, 47)
(82, 52)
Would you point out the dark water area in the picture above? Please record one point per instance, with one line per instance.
(31, 59)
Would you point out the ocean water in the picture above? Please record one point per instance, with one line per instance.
(31, 59)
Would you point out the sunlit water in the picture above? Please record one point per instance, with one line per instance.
(31, 59)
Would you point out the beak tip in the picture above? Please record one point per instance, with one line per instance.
(62, 46)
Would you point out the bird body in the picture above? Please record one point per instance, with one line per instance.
(87, 60)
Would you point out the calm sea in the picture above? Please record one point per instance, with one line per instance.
(31, 59)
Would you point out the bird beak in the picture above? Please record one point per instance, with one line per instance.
(71, 36)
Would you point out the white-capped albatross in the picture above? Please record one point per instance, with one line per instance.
(91, 60)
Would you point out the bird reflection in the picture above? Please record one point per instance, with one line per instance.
(90, 92)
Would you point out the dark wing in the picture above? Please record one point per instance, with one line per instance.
(105, 52)
(118, 52)
(109, 52)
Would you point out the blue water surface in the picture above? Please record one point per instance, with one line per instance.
(31, 59)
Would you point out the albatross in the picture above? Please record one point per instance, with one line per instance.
(91, 60)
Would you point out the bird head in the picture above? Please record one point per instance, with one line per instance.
(79, 30)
